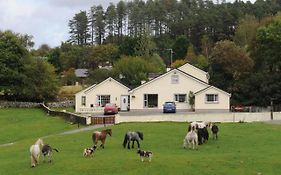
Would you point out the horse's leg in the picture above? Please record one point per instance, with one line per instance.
(128, 144)
(133, 145)
(102, 141)
(138, 143)
(32, 161)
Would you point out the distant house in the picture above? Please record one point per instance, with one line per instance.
(174, 85)
(81, 74)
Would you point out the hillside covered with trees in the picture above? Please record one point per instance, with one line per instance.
(238, 43)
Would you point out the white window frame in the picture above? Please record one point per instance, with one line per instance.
(103, 99)
(177, 98)
(215, 98)
(175, 79)
(83, 100)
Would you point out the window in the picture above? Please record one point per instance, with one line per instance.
(83, 101)
(180, 98)
(103, 99)
(212, 98)
(150, 100)
(175, 79)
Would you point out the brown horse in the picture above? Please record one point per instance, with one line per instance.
(97, 135)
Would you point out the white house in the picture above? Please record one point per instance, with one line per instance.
(174, 85)
(96, 96)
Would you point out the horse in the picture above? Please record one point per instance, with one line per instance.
(47, 150)
(215, 130)
(35, 152)
(97, 135)
(191, 138)
(132, 136)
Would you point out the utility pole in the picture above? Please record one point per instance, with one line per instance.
(171, 56)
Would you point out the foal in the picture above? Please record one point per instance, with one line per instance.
(47, 150)
(215, 130)
(191, 139)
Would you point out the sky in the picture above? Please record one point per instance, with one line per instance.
(45, 20)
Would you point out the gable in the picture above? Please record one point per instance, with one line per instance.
(194, 71)
(105, 85)
(211, 89)
(169, 80)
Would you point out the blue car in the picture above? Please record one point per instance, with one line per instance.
(169, 107)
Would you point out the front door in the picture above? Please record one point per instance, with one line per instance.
(124, 102)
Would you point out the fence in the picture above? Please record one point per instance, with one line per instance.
(103, 120)
(73, 118)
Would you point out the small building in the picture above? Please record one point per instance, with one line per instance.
(174, 85)
(93, 98)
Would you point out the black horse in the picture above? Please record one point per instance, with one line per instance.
(132, 136)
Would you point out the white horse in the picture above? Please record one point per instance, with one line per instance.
(35, 152)
(200, 124)
(191, 138)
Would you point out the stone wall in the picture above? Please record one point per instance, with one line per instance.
(15, 104)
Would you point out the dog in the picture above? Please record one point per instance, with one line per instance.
(89, 151)
(47, 150)
(143, 154)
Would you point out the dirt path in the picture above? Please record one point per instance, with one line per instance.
(87, 128)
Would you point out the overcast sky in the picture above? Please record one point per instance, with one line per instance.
(45, 20)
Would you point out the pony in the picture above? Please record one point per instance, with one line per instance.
(144, 154)
(132, 136)
(47, 150)
(97, 135)
(35, 152)
(191, 139)
(89, 151)
(203, 135)
(215, 130)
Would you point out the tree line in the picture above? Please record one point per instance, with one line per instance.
(237, 43)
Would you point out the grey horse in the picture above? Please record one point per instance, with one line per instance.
(132, 136)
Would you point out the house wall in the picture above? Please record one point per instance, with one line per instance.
(115, 90)
(166, 90)
(202, 106)
(198, 73)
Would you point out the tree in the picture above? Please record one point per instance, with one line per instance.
(79, 29)
(13, 53)
(98, 23)
(178, 63)
(111, 20)
(132, 70)
(98, 75)
(180, 46)
(246, 31)
(40, 81)
(228, 63)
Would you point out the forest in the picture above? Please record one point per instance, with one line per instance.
(238, 44)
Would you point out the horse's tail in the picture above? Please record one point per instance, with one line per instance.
(94, 138)
(55, 149)
(125, 140)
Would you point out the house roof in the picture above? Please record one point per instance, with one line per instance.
(211, 87)
(90, 87)
(164, 74)
(192, 67)
(104, 81)
(81, 73)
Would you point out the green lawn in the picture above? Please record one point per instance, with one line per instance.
(242, 149)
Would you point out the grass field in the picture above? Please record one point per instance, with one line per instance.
(242, 149)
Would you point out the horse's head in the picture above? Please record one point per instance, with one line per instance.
(140, 135)
(39, 142)
(109, 132)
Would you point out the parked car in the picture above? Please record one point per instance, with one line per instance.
(238, 108)
(110, 108)
(169, 107)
